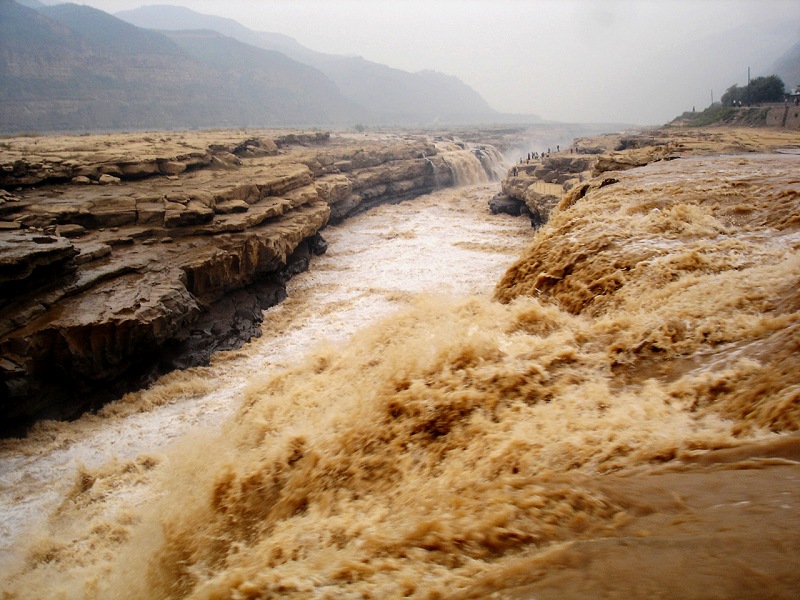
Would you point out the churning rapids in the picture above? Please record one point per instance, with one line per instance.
(616, 422)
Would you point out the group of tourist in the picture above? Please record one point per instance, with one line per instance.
(536, 156)
(531, 156)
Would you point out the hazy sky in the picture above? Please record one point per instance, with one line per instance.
(634, 61)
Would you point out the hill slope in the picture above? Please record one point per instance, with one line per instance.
(261, 77)
(787, 67)
(173, 18)
(389, 95)
(75, 68)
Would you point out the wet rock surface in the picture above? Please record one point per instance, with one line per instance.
(126, 256)
(535, 186)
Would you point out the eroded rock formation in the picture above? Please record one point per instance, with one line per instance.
(122, 257)
(535, 187)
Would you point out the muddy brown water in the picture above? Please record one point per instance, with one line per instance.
(619, 425)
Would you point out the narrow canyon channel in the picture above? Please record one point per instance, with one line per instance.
(446, 244)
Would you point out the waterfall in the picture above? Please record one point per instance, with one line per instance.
(470, 165)
(492, 161)
(465, 167)
(431, 166)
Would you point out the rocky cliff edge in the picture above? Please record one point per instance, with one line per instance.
(536, 186)
(125, 256)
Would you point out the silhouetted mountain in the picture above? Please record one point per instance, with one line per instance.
(109, 33)
(787, 67)
(406, 97)
(389, 95)
(258, 77)
(71, 67)
(51, 77)
(175, 18)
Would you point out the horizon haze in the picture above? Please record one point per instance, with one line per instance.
(615, 61)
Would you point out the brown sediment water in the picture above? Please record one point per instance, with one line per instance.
(619, 422)
(376, 263)
(725, 530)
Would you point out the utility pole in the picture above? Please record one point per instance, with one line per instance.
(712, 97)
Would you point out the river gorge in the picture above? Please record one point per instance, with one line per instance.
(446, 403)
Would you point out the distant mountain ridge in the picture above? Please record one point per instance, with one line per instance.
(74, 68)
(113, 35)
(787, 67)
(389, 95)
(70, 67)
(165, 17)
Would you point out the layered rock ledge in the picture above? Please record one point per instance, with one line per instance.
(535, 187)
(125, 256)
